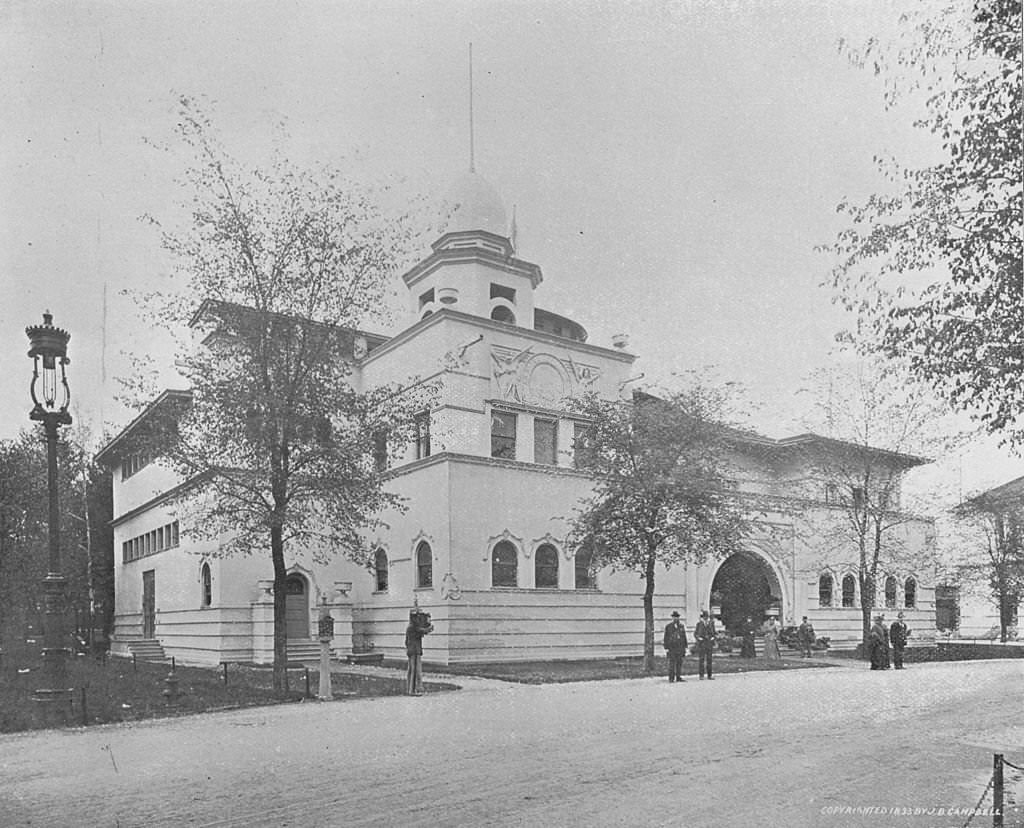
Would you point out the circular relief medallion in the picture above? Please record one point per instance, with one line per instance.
(546, 384)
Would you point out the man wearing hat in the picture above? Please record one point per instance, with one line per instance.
(878, 644)
(675, 647)
(705, 633)
(898, 635)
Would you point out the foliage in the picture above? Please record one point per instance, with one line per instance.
(878, 424)
(277, 442)
(933, 268)
(663, 489)
(86, 546)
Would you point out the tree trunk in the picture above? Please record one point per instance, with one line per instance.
(280, 602)
(866, 607)
(649, 616)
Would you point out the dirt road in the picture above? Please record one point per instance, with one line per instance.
(817, 748)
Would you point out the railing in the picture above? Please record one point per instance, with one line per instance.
(995, 784)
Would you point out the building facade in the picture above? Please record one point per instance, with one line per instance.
(490, 483)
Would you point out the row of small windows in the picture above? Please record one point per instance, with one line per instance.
(893, 588)
(424, 568)
(504, 567)
(545, 439)
(166, 537)
(134, 463)
(503, 440)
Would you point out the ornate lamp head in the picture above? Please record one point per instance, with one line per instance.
(49, 353)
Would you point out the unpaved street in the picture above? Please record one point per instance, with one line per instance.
(758, 749)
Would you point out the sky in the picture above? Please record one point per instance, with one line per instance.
(673, 165)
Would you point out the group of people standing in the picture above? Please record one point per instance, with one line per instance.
(884, 639)
(675, 642)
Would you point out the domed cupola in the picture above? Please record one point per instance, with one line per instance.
(476, 205)
(473, 268)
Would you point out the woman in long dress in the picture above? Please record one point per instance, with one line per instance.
(771, 641)
(747, 650)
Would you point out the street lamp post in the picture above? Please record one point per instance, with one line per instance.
(50, 397)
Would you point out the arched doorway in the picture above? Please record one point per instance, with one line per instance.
(296, 608)
(747, 587)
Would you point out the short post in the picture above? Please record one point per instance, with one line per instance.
(224, 664)
(307, 682)
(326, 630)
(135, 666)
(85, 712)
(173, 665)
(171, 690)
(997, 790)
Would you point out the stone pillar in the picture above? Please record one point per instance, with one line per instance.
(262, 614)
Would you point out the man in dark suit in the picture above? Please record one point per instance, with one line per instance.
(675, 647)
(705, 633)
(419, 626)
(878, 645)
(898, 635)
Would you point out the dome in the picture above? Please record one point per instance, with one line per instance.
(476, 205)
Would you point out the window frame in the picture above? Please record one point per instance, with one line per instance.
(421, 424)
(551, 567)
(910, 592)
(848, 578)
(205, 585)
(511, 564)
(381, 573)
(829, 593)
(501, 444)
(552, 458)
(428, 581)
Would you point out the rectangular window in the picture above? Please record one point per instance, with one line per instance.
(503, 435)
(422, 435)
(831, 494)
(580, 447)
(380, 451)
(160, 542)
(502, 292)
(859, 498)
(174, 533)
(545, 441)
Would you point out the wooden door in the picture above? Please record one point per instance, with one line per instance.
(149, 604)
(296, 608)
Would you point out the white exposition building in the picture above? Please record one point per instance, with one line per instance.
(490, 484)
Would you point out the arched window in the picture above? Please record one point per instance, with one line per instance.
(206, 580)
(380, 569)
(849, 590)
(504, 565)
(825, 590)
(586, 578)
(503, 314)
(424, 565)
(546, 567)
(890, 591)
(910, 593)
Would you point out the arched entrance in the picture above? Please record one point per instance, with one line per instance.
(746, 587)
(296, 608)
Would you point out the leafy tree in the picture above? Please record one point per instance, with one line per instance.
(876, 425)
(24, 532)
(664, 492)
(933, 266)
(275, 440)
(996, 555)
